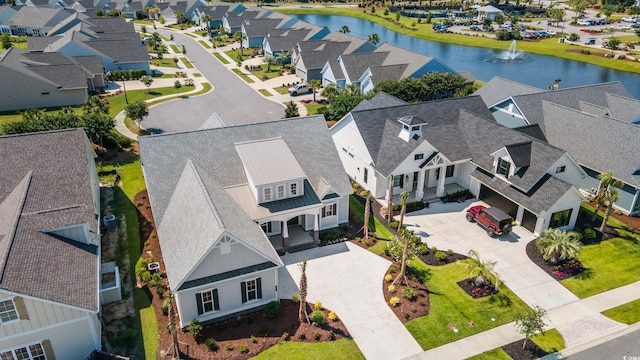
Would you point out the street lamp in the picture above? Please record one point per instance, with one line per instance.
(126, 101)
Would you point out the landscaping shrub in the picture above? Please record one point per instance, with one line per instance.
(229, 347)
(272, 309)
(211, 344)
(317, 305)
(388, 278)
(142, 272)
(394, 224)
(317, 318)
(460, 195)
(295, 298)
(243, 349)
(254, 339)
(195, 329)
(392, 288)
(166, 303)
(423, 249)
(411, 206)
(409, 293)
(394, 301)
(589, 233)
(441, 255)
(332, 316)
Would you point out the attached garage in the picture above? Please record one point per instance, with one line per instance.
(529, 220)
(493, 198)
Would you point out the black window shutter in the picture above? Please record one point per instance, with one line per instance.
(259, 287)
(401, 180)
(334, 209)
(324, 212)
(216, 303)
(243, 288)
(199, 303)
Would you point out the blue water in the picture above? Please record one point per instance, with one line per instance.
(535, 70)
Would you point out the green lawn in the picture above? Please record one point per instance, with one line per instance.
(205, 44)
(175, 49)
(117, 103)
(187, 63)
(610, 264)
(12, 116)
(282, 90)
(550, 342)
(312, 108)
(221, 58)
(273, 72)
(628, 313)
(233, 54)
(495, 354)
(265, 92)
(243, 76)
(381, 232)
(164, 62)
(452, 306)
(341, 349)
(423, 31)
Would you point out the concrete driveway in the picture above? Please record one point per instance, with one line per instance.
(348, 280)
(445, 227)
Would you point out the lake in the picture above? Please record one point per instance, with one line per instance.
(534, 70)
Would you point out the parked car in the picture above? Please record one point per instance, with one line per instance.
(299, 89)
(630, 19)
(590, 41)
(584, 22)
(551, 33)
(474, 27)
(494, 220)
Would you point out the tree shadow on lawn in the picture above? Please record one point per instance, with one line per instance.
(501, 300)
(586, 274)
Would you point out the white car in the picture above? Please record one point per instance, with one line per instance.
(630, 19)
(299, 89)
(551, 33)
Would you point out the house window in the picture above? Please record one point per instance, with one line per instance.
(503, 167)
(267, 194)
(280, 191)
(266, 227)
(560, 169)
(418, 156)
(415, 128)
(449, 172)
(30, 352)
(207, 301)
(560, 218)
(398, 181)
(294, 189)
(8, 312)
(329, 210)
(251, 290)
(366, 175)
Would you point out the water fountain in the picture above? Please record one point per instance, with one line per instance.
(510, 55)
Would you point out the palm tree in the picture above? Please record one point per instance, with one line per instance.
(405, 237)
(172, 328)
(315, 85)
(283, 56)
(207, 18)
(344, 29)
(367, 213)
(610, 199)
(606, 182)
(330, 91)
(557, 245)
(408, 252)
(403, 207)
(481, 269)
(240, 36)
(374, 39)
(390, 199)
(302, 311)
(269, 60)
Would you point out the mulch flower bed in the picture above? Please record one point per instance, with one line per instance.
(407, 310)
(250, 333)
(559, 271)
(430, 258)
(531, 351)
(469, 286)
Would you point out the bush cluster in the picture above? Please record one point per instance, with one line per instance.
(272, 309)
(317, 318)
(411, 206)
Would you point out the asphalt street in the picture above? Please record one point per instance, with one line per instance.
(232, 100)
(626, 347)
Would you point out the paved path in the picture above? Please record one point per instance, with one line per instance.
(348, 280)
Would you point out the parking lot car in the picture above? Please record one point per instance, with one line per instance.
(474, 27)
(630, 19)
(494, 220)
(299, 89)
(590, 41)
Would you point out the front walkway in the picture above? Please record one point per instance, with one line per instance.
(348, 280)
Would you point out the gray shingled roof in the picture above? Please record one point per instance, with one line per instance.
(356, 44)
(398, 55)
(121, 50)
(356, 64)
(38, 17)
(260, 27)
(53, 67)
(520, 153)
(308, 139)
(380, 100)
(287, 39)
(45, 183)
(597, 142)
(316, 53)
(498, 89)
(198, 214)
(91, 63)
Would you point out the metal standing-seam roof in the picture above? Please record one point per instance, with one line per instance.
(269, 161)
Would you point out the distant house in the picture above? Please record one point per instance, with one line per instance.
(216, 12)
(232, 21)
(35, 21)
(50, 285)
(488, 11)
(439, 147)
(272, 187)
(599, 125)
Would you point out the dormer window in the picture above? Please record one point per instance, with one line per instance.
(267, 194)
(280, 191)
(503, 167)
(294, 189)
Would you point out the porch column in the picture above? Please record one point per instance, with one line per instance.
(420, 189)
(539, 224)
(316, 229)
(443, 175)
(285, 236)
(520, 214)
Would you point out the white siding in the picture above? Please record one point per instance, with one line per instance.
(353, 152)
(70, 341)
(215, 263)
(409, 165)
(463, 175)
(343, 210)
(573, 173)
(570, 200)
(230, 297)
(78, 233)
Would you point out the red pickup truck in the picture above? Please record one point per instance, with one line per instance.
(494, 220)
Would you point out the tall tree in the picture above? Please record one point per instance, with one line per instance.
(479, 270)
(610, 199)
(403, 207)
(282, 57)
(97, 125)
(314, 85)
(291, 110)
(137, 112)
(207, 19)
(302, 311)
(367, 213)
(390, 200)
(96, 104)
(269, 60)
(606, 182)
(373, 38)
(402, 248)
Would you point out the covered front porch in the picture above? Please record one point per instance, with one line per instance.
(428, 194)
(298, 239)
(293, 233)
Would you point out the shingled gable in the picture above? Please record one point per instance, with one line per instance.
(198, 214)
(498, 89)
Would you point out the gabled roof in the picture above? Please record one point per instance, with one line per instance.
(520, 153)
(38, 17)
(259, 27)
(397, 55)
(356, 64)
(269, 161)
(355, 43)
(316, 53)
(236, 19)
(380, 100)
(217, 11)
(199, 212)
(46, 183)
(498, 89)
(532, 130)
(163, 156)
(55, 68)
(285, 40)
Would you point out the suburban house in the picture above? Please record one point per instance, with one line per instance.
(387, 62)
(232, 21)
(170, 9)
(487, 11)
(215, 12)
(6, 12)
(599, 125)
(222, 220)
(50, 284)
(279, 41)
(310, 56)
(439, 147)
(35, 21)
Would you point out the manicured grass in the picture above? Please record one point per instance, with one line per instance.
(628, 313)
(495, 354)
(117, 103)
(175, 49)
(186, 63)
(206, 87)
(20, 45)
(341, 349)
(233, 54)
(197, 75)
(205, 44)
(243, 76)
(550, 342)
(381, 232)
(545, 47)
(164, 62)
(191, 35)
(609, 264)
(282, 90)
(13, 116)
(273, 72)
(452, 306)
(221, 58)
(312, 108)
(265, 92)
